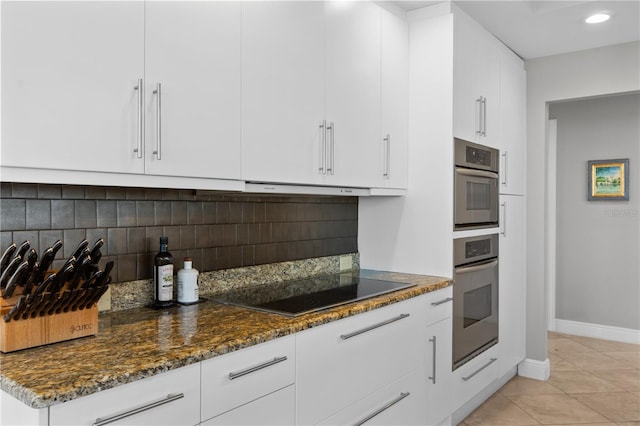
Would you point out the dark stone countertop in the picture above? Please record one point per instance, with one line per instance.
(139, 343)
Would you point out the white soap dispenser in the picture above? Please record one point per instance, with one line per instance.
(188, 283)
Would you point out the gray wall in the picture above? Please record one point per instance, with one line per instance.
(594, 72)
(597, 249)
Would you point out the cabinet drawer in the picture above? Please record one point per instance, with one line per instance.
(399, 403)
(439, 304)
(275, 409)
(474, 376)
(237, 378)
(166, 399)
(342, 362)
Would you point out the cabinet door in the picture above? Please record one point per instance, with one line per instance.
(512, 282)
(192, 49)
(282, 91)
(170, 398)
(399, 403)
(439, 371)
(236, 378)
(277, 409)
(513, 124)
(68, 85)
(394, 99)
(476, 77)
(342, 362)
(352, 87)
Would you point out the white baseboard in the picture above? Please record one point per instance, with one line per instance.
(597, 331)
(539, 370)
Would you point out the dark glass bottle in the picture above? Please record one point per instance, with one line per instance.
(163, 276)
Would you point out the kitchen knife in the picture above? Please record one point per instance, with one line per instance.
(32, 259)
(95, 298)
(66, 298)
(44, 286)
(37, 305)
(50, 302)
(17, 309)
(15, 279)
(83, 295)
(81, 247)
(22, 250)
(9, 270)
(32, 279)
(80, 270)
(64, 275)
(7, 256)
(56, 247)
(45, 262)
(104, 277)
(96, 248)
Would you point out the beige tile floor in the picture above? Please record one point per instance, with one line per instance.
(593, 383)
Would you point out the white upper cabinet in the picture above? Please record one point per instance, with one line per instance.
(513, 86)
(282, 91)
(68, 75)
(476, 77)
(193, 51)
(311, 93)
(394, 99)
(352, 93)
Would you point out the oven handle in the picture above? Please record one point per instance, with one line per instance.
(475, 268)
(476, 173)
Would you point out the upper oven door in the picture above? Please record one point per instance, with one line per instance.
(476, 198)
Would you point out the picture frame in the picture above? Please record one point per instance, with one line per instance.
(608, 180)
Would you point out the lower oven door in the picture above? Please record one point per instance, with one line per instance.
(475, 310)
(476, 198)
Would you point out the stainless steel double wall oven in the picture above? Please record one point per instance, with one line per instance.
(475, 293)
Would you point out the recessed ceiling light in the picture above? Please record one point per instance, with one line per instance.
(597, 18)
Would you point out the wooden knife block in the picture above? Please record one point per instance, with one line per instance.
(43, 330)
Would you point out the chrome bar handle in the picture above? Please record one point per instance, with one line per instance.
(140, 134)
(158, 93)
(440, 302)
(480, 369)
(387, 158)
(137, 410)
(322, 144)
(388, 405)
(504, 168)
(484, 116)
(331, 168)
(503, 231)
(373, 327)
(433, 378)
(479, 126)
(235, 375)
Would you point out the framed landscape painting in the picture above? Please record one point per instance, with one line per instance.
(608, 179)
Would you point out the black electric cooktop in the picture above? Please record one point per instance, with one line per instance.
(298, 297)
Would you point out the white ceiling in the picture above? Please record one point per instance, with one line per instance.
(535, 28)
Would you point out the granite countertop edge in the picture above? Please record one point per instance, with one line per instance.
(45, 393)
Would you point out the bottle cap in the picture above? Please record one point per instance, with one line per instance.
(164, 240)
(188, 263)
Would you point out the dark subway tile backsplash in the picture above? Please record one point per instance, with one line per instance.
(218, 230)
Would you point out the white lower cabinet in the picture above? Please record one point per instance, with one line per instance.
(171, 398)
(438, 355)
(232, 380)
(341, 363)
(399, 403)
(474, 376)
(274, 409)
